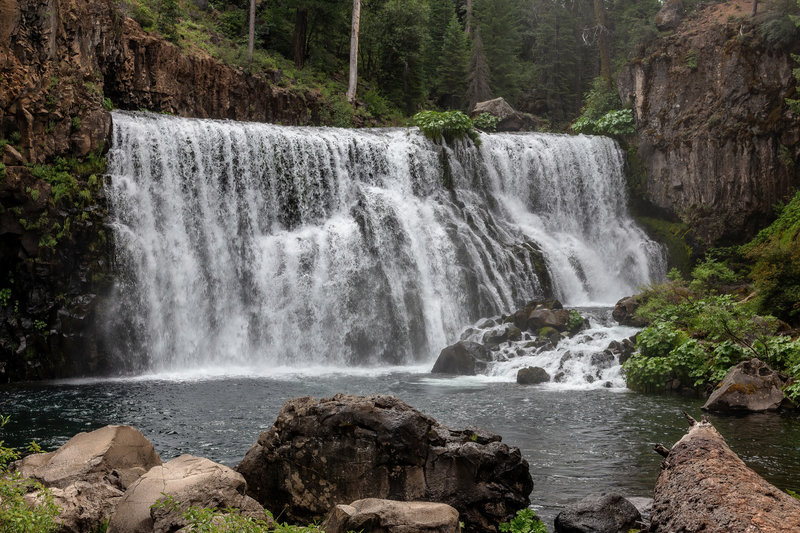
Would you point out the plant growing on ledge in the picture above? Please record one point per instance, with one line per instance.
(447, 125)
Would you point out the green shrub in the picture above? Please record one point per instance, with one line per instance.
(16, 516)
(711, 275)
(108, 105)
(449, 125)
(525, 521)
(76, 123)
(486, 122)
(575, 321)
(659, 340)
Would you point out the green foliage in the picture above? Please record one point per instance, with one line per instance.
(525, 521)
(204, 520)
(691, 59)
(76, 123)
(711, 275)
(451, 71)
(15, 137)
(601, 114)
(776, 272)
(500, 24)
(486, 122)
(16, 516)
(575, 321)
(108, 105)
(449, 125)
(5, 296)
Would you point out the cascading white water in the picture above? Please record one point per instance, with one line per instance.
(252, 245)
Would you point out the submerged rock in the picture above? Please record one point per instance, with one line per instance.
(463, 358)
(322, 452)
(532, 375)
(598, 513)
(749, 386)
(189, 481)
(373, 515)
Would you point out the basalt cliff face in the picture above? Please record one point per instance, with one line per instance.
(713, 131)
(62, 63)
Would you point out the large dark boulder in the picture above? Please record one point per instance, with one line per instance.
(548, 318)
(463, 358)
(624, 312)
(598, 513)
(749, 386)
(532, 375)
(321, 453)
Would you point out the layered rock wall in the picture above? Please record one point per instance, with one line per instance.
(62, 64)
(714, 133)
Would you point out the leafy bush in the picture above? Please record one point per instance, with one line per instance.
(575, 321)
(616, 123)
(602, 113)
(486, 122)
(711, 275)
(524, 522)
(16, 516)
(449, 125)
(229, 520)
(659, 340)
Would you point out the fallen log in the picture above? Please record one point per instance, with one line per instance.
(704, 486)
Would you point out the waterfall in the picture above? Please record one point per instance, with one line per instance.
(256, 246)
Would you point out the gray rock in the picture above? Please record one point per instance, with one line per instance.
(604, 359)
(624, 311)
(460, 358)
(373, 515)
(190, 481)
(749, 386)
(598, 513)
(670, 15)
(532, 375)
(323, 452)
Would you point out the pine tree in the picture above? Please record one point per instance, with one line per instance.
(499, 22)
(452, 71)
(478, 81)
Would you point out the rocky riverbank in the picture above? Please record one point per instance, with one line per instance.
(374, 464)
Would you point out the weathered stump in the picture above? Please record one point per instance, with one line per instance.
(704, 486)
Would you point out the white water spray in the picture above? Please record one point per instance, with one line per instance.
(255, 246)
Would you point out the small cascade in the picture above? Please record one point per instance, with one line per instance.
(252, 246)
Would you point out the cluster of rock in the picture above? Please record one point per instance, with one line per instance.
(538, 325)
(370, 464)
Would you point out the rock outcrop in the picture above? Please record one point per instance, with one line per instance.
(625, 312)
(532, 375)
(598, 513)
(320, 453)
(372, 515)
(188, 481)
(713, 131)
(62, 64)
(463, 358)
(704, 486)
(750, 386)
(88, 475)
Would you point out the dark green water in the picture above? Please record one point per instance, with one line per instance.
(577, 442)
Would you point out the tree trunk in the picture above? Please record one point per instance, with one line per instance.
(251, 36)
(299, 37)
(351, 88)
(704, 486)
(603, 41)
(468, 18)
(755, 8)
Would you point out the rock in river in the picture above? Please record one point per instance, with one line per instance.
(320, 453)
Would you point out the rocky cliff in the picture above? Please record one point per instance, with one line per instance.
(63, 65)
(716, 138)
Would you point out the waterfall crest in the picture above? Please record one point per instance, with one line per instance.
(253, 245)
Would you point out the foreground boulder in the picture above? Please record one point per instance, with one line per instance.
(88, 475)
(320, 453)
(372, 515)
(114, 454)
(189, 481)
(598, 513)
(704, 486)
(749, 386)
(463, 358)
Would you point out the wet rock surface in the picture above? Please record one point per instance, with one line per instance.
(372, 515)
(345, 448)
(598, 513)
(750, 386)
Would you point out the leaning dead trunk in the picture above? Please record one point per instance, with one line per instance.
(704, 486)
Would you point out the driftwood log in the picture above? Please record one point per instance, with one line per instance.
(704, 486)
